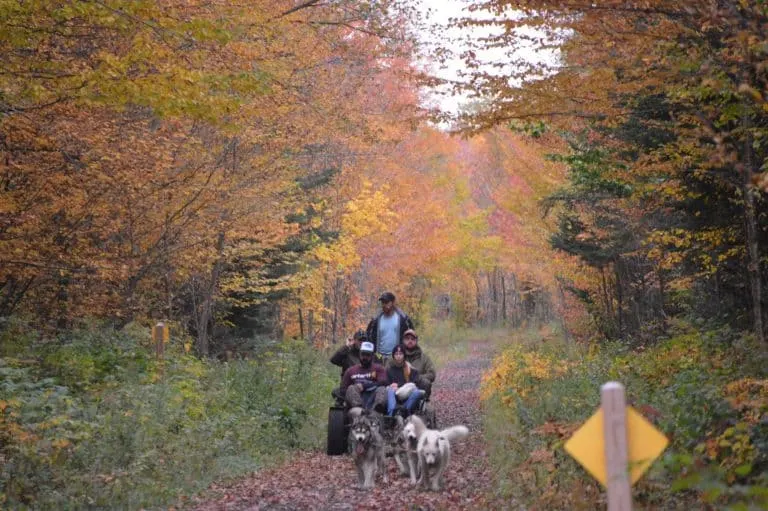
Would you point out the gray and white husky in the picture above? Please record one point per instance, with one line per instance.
(395, 443)
(433, 450)
(368, 450)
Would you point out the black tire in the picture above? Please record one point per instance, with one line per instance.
(337, 434)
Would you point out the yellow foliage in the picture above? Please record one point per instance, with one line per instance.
(732, 449)
(517, 370)
(666, 360)
(749, 396)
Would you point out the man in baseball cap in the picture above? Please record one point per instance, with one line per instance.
(419, 361)
(349, 354)
(364, 384)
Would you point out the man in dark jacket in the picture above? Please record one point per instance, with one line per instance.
(363, 384)
(419, 361)
(349, 354)
(386, 330)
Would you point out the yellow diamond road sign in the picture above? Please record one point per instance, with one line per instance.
(645, 444)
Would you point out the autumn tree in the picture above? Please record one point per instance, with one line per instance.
(702, 61)
(147, 144)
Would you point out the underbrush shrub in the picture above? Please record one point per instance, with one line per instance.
(94, 421)
(705, 390)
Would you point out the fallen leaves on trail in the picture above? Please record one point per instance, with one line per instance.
(314, 481)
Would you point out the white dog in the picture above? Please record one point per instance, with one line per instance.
(433, 450)
(411, 432)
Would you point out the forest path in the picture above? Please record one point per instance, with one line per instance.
(315, 481)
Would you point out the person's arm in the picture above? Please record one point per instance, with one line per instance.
(428, 369)
(341, 354)
(409, 322)
(414, 376)
(381, 375)
(405, 322)
(346, 380)
(371, 334)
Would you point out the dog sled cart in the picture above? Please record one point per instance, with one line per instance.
(339, 422)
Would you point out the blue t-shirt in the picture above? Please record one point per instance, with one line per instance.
(389, 333)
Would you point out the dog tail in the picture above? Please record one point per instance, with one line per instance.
(455, 433)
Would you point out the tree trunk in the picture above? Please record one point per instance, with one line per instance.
(301, 325)
(311, 327)
(206, 307)
(503, 300)
(561, 313)
(619, 299)
(12, 291)
(607, 300)
(750, 224)
(492, 297)
(62, 302)
(344, 308)
(516, 301)
(478, 314)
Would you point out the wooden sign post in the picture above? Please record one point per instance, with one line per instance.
(615, 437)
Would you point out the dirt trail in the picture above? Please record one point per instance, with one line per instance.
(314, 481)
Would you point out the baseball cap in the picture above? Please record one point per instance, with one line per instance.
(410, 332)
(387, 297)
(366, 347)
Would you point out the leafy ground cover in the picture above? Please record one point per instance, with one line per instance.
(707, 390)
(312, 480)
(94, 421)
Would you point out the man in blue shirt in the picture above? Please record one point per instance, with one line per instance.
(386, 330)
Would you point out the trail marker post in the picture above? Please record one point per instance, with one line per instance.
(614, 406)
(616, 445)
(160, 335)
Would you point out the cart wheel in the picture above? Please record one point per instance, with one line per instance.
(337, 435)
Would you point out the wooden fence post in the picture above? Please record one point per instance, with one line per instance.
(614, 407)
(160, 335)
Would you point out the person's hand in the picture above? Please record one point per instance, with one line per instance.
(359, 386)
(394, 385)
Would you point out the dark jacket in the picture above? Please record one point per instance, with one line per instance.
(345, 357)
(422, 363)
(372, 331)
(397, 375)
(374, 376)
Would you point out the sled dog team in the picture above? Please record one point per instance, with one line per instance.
(426, 451)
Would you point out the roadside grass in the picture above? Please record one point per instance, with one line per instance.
(93, 421)
(707, 390)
